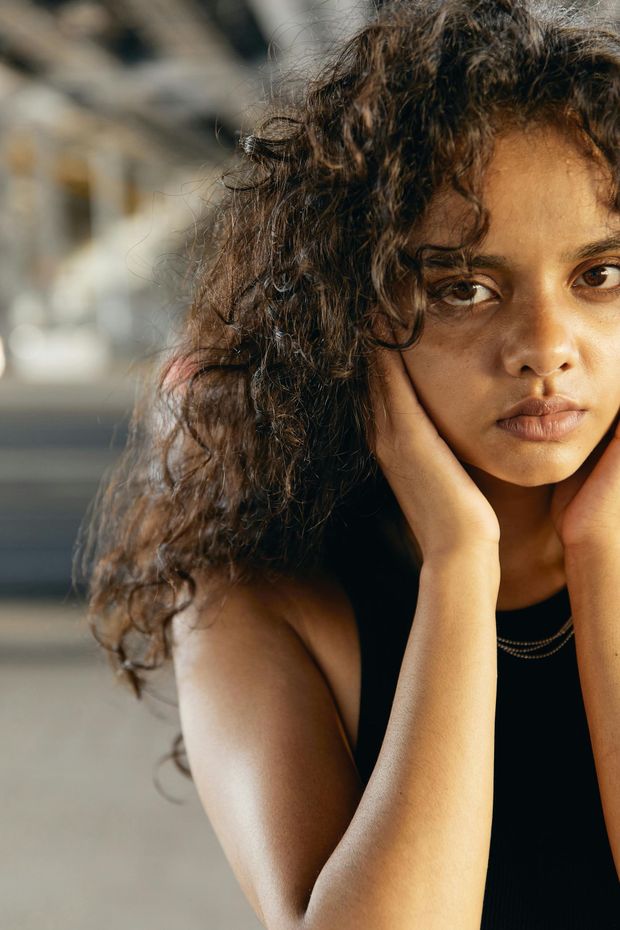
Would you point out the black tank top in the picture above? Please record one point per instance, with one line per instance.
(550, 864)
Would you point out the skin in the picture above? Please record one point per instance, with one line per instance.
(537, 327)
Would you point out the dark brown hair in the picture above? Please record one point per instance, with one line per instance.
(255, 434)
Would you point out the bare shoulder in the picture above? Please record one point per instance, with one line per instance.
(315, 605)
(267, 678)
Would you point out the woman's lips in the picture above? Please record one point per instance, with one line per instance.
(544, 428)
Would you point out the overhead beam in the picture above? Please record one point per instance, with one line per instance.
(71, 65)
(180, 30)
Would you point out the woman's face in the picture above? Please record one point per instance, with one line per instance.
(536, 317)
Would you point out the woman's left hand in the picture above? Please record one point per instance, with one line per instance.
(585, 507)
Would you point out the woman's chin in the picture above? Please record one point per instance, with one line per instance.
(526, 475)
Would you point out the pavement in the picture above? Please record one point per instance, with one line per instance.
(87, 840)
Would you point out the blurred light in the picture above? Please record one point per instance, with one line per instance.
(58, 355)
(27, 307)
(2, 358)
(26, 341)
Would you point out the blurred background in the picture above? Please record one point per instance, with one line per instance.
(116, 119)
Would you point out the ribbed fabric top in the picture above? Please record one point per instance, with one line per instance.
(550, 863)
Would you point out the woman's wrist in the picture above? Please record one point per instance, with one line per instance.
(477, 560)
(473, 552)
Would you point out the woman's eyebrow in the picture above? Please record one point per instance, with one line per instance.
(445, 257)
(459, 258)
(594, 248)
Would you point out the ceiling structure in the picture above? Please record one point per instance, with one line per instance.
(171, 70)
(110, 112)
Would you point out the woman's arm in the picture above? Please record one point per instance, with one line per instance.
(593, 578)
(416, 852)
(274, 773)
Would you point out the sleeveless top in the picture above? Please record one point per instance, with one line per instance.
(550, 862)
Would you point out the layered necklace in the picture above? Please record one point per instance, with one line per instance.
(530, 649)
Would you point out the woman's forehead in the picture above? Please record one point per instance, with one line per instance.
(537, 180)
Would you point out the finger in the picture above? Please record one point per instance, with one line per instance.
(398, 389)
(384, 363)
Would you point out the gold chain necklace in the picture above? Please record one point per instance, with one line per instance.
(524, 648)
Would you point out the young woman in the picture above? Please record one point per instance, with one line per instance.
(376, 521)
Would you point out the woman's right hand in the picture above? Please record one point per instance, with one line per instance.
(442, 504)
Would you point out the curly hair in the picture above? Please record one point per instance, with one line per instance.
(250, 452)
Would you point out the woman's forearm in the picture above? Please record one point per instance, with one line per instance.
(415, 854)
(593, 578)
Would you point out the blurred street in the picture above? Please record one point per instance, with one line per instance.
(87, 841)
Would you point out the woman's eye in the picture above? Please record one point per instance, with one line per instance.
(601, 277)
(461, 293)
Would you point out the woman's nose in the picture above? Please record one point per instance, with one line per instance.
(542, 339)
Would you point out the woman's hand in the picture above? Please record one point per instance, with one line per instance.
(443, 506)
(585, 507)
